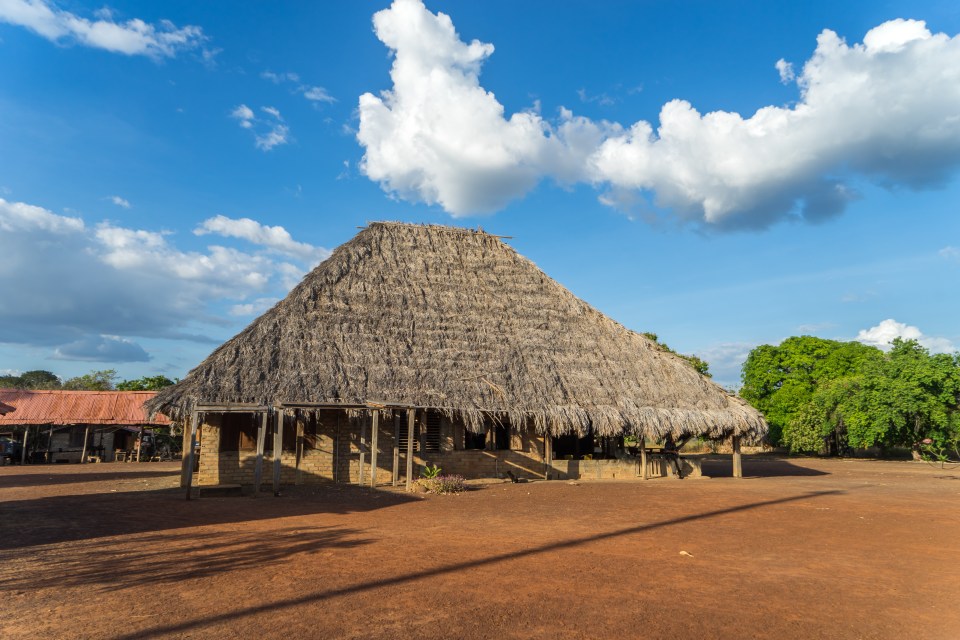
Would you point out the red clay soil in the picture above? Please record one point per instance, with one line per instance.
(798, 549)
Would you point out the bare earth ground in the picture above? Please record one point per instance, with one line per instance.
(798, 549)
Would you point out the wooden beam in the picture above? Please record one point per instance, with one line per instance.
(411, 419)
(83, 453)
(229, 407)
(261, 439)
(395, 468)
(194, 417)
(547, 455)
(23, 451)
(299, 446)
(737, 458)
(184, 457)
(139, 443)
(363, 450)
(374, 446)
(278, 420)
(644, 472)
(323, 405)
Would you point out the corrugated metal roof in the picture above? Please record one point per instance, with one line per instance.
(57, 407)
(5, 408)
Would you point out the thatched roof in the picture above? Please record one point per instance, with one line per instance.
(455, 319)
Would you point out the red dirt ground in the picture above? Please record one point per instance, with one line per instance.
(798, 549)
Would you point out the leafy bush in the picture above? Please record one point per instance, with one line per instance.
(804, 432)
(441, 485)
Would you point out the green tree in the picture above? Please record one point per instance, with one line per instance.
(94, 381)
(821, 394)
(37, 379)
(151, 383)
(780, 380)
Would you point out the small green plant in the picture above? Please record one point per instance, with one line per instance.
(430, 472)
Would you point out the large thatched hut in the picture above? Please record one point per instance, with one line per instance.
(450, 335)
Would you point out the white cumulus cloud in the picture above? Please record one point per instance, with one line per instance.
(86, 291)
(120, 202)
(885, 109)
(884, 333)
(133, 37)
(276, 237)
(19, 216)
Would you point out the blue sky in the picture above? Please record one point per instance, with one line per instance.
(167, 170)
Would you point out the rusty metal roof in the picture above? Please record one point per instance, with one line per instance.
(5, 408)
(58, 407)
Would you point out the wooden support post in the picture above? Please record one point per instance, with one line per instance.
(49, 444)
(23, 451)
(194, 417)
(547, 455)
(411, 420)
(395, 469)
(83, 453)
(737, 459)
(184, 455)
(278, 420)
(139, 443)
(261, 439)
(300, 431)
(374, 446)
(644, 473)
(363, 452)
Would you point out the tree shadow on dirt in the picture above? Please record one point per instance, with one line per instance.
(404, 579)
(103, 564)
(27, 523)
(757, 468)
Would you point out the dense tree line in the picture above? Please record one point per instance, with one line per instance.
(102, 380)
(827, 396)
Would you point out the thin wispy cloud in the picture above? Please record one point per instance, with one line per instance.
(123, 203)
(130, 37)
(313, 93)
(269, 130)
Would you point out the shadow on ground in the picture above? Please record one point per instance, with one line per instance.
(38, 479)
(81, 517)
(171, 557)
(757, 467)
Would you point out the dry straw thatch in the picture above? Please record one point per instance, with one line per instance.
(456, 320)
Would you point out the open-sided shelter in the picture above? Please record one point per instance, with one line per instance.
(67, 426)
(445, 346)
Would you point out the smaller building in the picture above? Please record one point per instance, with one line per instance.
(69, 426)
